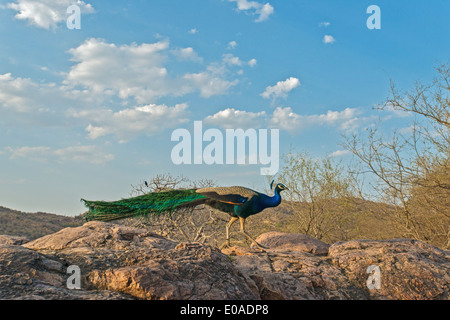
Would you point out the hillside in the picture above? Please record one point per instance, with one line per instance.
(33, 225)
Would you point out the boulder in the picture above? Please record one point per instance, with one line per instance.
(119, 262)
(293, 242)
(408, 269)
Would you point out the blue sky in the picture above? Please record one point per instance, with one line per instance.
(86, 113)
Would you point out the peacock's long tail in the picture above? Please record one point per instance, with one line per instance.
(150, 203)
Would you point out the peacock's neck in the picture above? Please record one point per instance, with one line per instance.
(274, 201)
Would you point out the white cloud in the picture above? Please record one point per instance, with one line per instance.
(232, 118)
(231, 60)
(287, 119)
(263, 11)
(128, 123)
(232, 44)
(328, 39)
(252, 63)
(140, 72)
(281, 88)
(18, 93)
(24, 96)
(87, 154)
(128, 70)
(32, 153)
(108, 78)
(324, 24)
(193, 31)
(339, 153)
(186, 54)
(208, 83)
(103, 72)
(46, 14)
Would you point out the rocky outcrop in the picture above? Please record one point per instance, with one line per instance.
(118, 262)
(409, 269)
(293, 242)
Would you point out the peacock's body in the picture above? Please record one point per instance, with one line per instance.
(238, 202)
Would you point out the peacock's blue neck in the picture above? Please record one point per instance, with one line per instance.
(273, 201)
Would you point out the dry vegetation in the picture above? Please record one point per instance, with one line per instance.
(412, 169)
(33, 225)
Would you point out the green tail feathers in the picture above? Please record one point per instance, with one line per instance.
(150, 203)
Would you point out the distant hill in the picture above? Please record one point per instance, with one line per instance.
(33, 225)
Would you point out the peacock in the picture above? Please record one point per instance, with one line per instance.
(239, 202)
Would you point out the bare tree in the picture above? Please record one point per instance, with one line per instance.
(201, 224)
(412, 169)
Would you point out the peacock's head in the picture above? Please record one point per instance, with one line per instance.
(279, 187)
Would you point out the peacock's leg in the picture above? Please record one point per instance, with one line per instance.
(227, 229)
(242, 221)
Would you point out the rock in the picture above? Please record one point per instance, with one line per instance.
(292, 275)
(293, 242)
(144, 265)
(119, 262)
(28, 275)
(4, 239)
(409, 269)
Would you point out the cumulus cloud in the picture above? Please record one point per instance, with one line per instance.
(105, 71)
(87, 154)
(231, 118)
(128, 123)
(127, 70)
(186, 54)
(208, 84)
(287, 119)
(281, 88)
(327, 39)
(346, 119)
(263, 11)
(231, 60)
(27, 97)
(232, 44)
(339, 153)
(19, 93)
(108, 78)
(46, 14)
(252, 63)
(140, 71)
